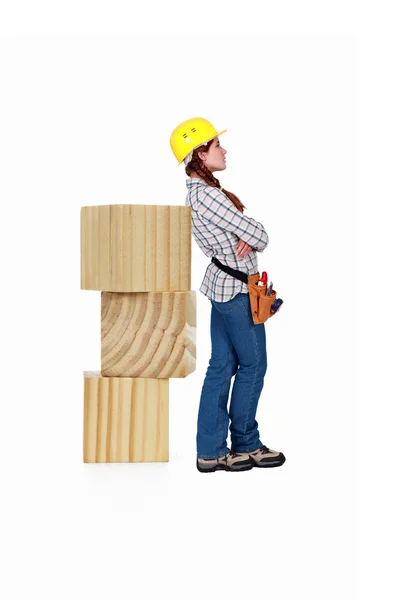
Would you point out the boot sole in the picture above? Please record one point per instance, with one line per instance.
(271, 464)
(224, 468)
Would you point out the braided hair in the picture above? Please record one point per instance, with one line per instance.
(197, 165)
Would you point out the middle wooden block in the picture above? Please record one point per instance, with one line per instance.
(148, 334)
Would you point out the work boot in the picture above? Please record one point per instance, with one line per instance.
(264, 457)
(233, 461)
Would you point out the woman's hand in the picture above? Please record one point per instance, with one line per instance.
(243, 249)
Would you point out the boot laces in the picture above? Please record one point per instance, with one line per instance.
(233, 454)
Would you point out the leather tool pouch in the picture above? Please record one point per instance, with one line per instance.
(260, 303)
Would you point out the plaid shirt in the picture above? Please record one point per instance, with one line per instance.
(217, 226)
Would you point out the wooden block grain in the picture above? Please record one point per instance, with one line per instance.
(136, 248)
(125, 419)
(146, 334)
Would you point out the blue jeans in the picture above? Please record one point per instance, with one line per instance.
(238, 348)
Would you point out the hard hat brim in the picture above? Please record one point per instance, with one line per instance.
(202, 144)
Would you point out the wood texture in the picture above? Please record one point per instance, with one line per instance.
(136, 248)
(148, 334)
(125, 419)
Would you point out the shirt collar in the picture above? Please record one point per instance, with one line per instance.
(192, 181)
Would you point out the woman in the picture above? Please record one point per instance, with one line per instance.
(238, 345)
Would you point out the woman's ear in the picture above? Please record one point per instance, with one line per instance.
(202, 155)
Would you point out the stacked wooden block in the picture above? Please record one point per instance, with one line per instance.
(139, 258)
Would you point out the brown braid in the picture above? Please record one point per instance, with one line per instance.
(197, 165)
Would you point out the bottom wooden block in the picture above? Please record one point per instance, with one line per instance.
(126, 419)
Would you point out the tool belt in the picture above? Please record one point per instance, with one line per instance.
(260, 303)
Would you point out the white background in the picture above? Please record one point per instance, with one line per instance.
(89, 97)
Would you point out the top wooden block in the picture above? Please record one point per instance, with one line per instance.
(136, 248)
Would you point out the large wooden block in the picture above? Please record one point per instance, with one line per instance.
(136, 248)
(125, 419)
(148, 334)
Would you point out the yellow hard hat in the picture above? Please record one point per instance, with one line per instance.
(190, 134)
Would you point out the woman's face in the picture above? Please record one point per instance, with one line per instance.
(214, 158)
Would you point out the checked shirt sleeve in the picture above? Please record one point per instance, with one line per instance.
(215, 207)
